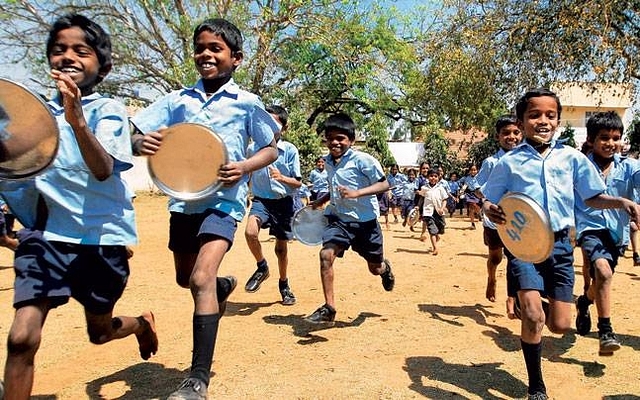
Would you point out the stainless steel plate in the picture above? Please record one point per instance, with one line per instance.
(29, 133)
(187, 163)
(308, 225)
(527, 233)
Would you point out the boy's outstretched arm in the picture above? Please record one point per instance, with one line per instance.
(100, 162)
(603, 201)
(378, 187)
(231, 173)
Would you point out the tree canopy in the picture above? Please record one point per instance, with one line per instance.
(450, 65)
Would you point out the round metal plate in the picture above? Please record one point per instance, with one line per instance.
(308, 225)
(187, 163)
(414, 216)
(29, 133)
(527, 233)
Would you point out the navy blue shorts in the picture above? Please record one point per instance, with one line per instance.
(93, 275)
(364, 237)
(554, 277)
(188, 231)
(407, 206)
(275, 214)
(599, 244)
(435, 223)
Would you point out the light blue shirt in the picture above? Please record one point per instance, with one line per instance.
(552, 180)
(483, 177)
(82, 209)
(623, 178)
(288, 163)
(409, 189)
(395, 182)
(471, 182)
(319, 181)
(356, 170)
(236, 115)
(21, 197)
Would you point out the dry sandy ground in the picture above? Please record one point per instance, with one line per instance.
(435, 336)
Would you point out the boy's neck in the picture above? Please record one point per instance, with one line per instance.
(213, 85)
(603, 163)
(540, 147)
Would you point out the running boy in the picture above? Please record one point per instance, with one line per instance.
(600, 232)
(202, 231)
(509, 136)
(274, 188)
(76, 246)
(318, 180)
(552, 174)
(434, 206)
(354, 180)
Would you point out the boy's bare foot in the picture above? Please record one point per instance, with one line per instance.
(423, 238)
(511, 314)
(147, 339)
(434, 252)
(490, 293)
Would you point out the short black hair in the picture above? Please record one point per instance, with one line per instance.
(521, 105)
(95, 36)
(220, 26)
(341, 122)
(505, 120)
(433, 172)
(608, 120)
(280, 111)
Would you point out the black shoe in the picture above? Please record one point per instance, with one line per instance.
(388, 280)
(583, 320)
(323, 315)
(288, 298)
(190, 389)
(636, 259)
(225, 285)
(608, 343)
(537, 396)
(253, 284)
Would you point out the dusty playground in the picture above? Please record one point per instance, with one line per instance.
(435, 336)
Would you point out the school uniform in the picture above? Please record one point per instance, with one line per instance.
(434, 196)
(238, 117)
(273, 201)
(88, 222)
(319, 181)
(354, 222)
(554, 181)
(601, 232)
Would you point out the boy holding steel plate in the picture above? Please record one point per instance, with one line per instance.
(553, 175)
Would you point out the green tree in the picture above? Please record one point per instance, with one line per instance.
(534, 43)
(569, 135)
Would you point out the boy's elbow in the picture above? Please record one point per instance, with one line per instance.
(273, 154)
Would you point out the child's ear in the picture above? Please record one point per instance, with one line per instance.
(104, 71)
(238, 57)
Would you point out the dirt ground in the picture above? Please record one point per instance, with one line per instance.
(435, 336)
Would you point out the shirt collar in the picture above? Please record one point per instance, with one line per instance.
(56, 103)
(230, 87)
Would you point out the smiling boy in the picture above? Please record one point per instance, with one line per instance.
(553, 175)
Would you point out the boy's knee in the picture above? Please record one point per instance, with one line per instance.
(23, 342)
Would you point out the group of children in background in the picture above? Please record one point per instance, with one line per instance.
(424, 197)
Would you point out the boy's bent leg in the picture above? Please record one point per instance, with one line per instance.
(22, 345)
(184, 263)
(103, 328)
